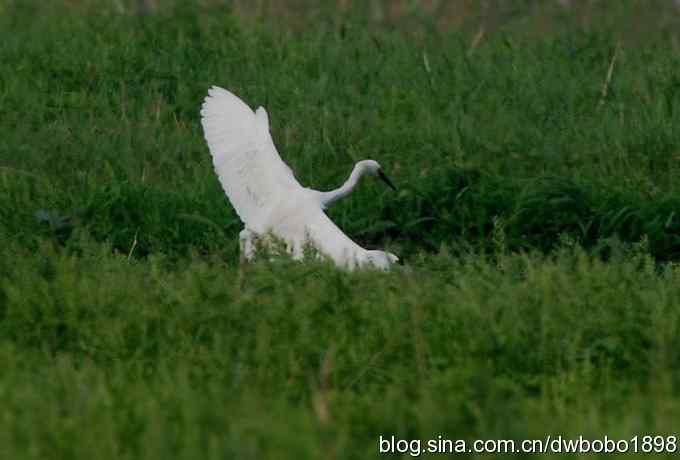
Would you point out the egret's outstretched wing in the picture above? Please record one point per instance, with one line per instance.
(265, 137)
(249, 168)
(327, 237)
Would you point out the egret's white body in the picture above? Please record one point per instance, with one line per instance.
(265, 193)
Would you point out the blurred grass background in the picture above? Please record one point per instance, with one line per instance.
(635, 19)
(536, 152)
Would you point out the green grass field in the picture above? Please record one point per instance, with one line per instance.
(538, 217)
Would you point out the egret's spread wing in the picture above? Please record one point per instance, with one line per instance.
(265, 137)
(248, 166)
(331, 241)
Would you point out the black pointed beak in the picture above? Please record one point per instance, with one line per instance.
(386, 179)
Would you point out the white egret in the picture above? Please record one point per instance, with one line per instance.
(265, 193)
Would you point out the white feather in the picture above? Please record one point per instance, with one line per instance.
(264, 191)
(246, 162)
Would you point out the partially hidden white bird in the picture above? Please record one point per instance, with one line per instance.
(265, 193)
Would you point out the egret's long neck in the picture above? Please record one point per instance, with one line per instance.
(328, 198)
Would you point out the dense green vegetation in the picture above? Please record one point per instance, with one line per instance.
(538, 217)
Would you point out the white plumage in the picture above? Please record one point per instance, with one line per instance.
(264, 191)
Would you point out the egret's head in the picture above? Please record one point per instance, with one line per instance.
(374, 168)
